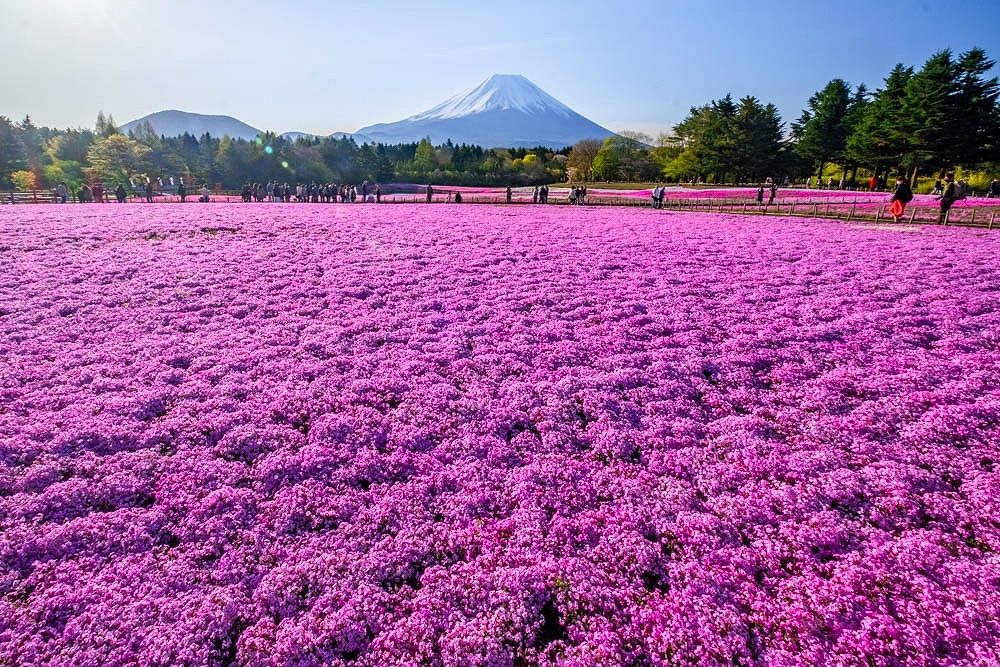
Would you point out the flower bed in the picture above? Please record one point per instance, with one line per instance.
(494, 436)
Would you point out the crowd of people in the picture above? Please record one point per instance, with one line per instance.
(317, 193)
(96, 192)
(947, 191)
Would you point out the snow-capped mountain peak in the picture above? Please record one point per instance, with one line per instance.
(500, 92)
(504, 110)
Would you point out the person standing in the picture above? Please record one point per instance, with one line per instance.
(947, 197)
(182, 191)
(430, 193)
(509, 194)
(98, 191)
(773, 190)
(149, 190)
(378, 193)
(760, 196)
(902, 196)
(120, 193)
(62, 192)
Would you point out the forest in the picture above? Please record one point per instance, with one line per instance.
(920, 123)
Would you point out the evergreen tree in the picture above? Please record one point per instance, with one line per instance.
(758, 132)
(821, 132)
(105, 125)
(12, 154)
(979, 123)
(878, 138)
(931, 107)
(114, 158)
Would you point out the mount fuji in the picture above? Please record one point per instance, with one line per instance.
(505, 110)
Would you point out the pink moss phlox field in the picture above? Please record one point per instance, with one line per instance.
(449, 435)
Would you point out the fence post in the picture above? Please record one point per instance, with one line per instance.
(913, 214)
(972, 220)
(878, 214)
(815, 210)
(992, 218)
(851, 214)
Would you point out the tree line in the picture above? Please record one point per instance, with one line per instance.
(944, 116)
(33, 157)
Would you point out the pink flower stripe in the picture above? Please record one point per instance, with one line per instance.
(432, 435)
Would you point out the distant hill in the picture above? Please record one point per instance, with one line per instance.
(174, 123)
(504, 110)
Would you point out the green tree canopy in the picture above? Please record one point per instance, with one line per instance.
(114, 158)
(821, 132)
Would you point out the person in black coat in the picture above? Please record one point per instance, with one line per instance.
(947, 197)
(902, 196)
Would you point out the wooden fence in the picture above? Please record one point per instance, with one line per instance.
(872, 209)
(31, 197)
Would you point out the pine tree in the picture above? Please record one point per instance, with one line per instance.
(878, 139)
(821, 132)
(979, 121)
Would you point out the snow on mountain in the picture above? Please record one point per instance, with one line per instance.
(504, 110)
(504, 92)
(173, 123)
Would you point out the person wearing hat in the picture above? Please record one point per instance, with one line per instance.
(947, 197)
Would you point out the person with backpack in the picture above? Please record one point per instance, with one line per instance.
(902, 196)
(961, 189)
(947, 197)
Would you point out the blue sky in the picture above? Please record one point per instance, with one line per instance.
(327, 66)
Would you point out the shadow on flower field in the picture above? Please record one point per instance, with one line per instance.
(494, 436)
